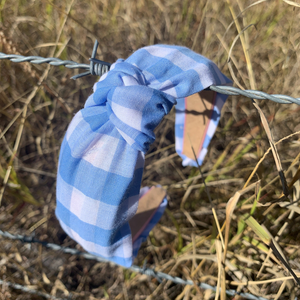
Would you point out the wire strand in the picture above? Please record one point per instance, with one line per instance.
(99, 67)
(30, 290)
(143, 270)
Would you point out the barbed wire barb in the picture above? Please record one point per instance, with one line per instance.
(96, 67)
(99, 67)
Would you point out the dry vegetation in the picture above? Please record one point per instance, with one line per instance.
(37, 102)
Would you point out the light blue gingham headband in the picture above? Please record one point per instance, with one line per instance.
(102, 155)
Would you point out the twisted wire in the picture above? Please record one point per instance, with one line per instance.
(96, 67)
(253, 94)
(41, 60)
(143, 270)
(99, 67)
(29, 290)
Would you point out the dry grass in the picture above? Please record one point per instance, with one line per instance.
(38, 102)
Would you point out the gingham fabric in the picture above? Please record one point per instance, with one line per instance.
(102, 155)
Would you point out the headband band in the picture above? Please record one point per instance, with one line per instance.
(100, 203)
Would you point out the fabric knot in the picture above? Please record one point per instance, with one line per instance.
(132, 106)
(139, 91)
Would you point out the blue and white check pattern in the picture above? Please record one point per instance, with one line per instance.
(102, 155)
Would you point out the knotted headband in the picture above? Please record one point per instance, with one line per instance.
(102, 155)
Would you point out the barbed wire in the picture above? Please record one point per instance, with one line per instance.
(99, 67)
(96, 67)
(253, 94)
(143, 270)
(30, 290)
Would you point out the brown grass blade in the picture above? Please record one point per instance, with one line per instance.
(293, 3)
(285, 263)
(274, 150)
(220, 271)
(244, 45)
(232, 73)
(231, 204)
(267, 152)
